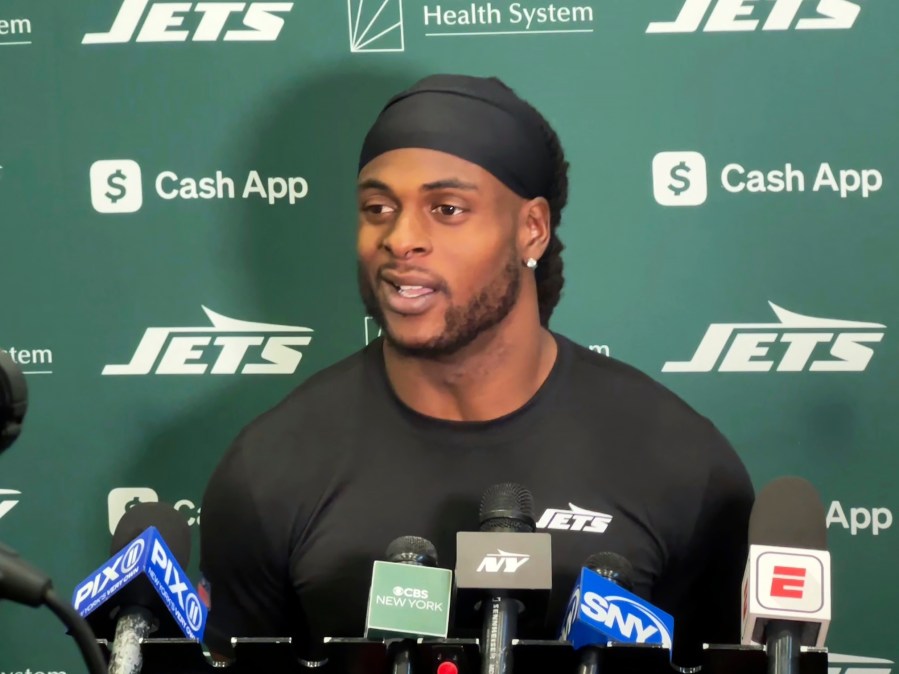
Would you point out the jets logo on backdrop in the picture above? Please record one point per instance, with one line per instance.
(9, 498)
(229, 346)
(151, 21)
(575, 519)
(796, 343)
(838, 663)
(745, 15)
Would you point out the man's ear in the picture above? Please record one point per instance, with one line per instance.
(534, 228)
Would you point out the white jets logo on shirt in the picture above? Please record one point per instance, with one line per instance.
(575, 519)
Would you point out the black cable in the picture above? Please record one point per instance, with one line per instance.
(80, 630)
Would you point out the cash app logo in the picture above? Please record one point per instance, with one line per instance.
(116, 186)
(679, 179)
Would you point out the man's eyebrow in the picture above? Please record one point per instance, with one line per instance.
(445, 184)
(373, 184)
(449, 184)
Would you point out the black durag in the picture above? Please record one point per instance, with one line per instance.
(478, 119)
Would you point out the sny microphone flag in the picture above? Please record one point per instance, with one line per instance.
(408, 601)
(601, 611)
(149, 557)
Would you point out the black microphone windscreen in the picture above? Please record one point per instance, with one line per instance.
(614, 567)
(788, 512)
(507, 507)
(169, 522)
(412, 550)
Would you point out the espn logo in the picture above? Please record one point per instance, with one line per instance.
(790, 581)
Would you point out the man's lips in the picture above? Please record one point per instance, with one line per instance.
(410, 280)
(406, 298)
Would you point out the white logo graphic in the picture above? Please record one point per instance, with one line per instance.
(122, 499)
(372, 330)
(507, 562)
(35, 361)
(116, 186)
(410, 592)
(486, 19)
(193, 611)
(735, 179)
(739, 15)
(857, 664)
(376, 25)
(177, 350)
(679, 179)
(575, 519)
(627, 616)
(165, 22)
(8, 500)
(132, 556)
(745, 346)
(879, 519)
(11, 30)
(187, 601)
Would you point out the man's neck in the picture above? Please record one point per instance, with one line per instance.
(492, 377)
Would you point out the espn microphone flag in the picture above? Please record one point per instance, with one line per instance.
(601, 611)
(147, 559)
(787, 575)
(406, 600)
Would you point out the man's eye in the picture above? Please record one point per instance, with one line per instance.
(377, 209)
(449, 209)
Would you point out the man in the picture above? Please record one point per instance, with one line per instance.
(460, 191)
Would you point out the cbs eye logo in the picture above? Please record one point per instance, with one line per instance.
(411, 592)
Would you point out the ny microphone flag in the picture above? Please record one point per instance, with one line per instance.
(782, 583)
(601, 611)
(407, 600)
(146, 559)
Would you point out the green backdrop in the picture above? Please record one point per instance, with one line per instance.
(112, 112)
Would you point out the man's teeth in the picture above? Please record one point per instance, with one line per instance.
(414, 291)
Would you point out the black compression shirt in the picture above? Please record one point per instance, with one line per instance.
(311, 493)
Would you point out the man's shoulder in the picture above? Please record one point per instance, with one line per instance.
(660, 415)
(622, 384)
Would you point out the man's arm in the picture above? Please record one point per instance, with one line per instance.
(248, 585)
(705, 587)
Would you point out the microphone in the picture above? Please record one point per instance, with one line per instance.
(603, 610)
(786, 599)
(409, 597)
(142, 587)
(501, 573)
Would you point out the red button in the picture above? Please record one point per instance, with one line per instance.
(447, 668)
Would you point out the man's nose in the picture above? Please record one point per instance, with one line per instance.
(407, 236)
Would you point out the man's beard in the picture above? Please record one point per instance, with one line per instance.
(462, 324)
